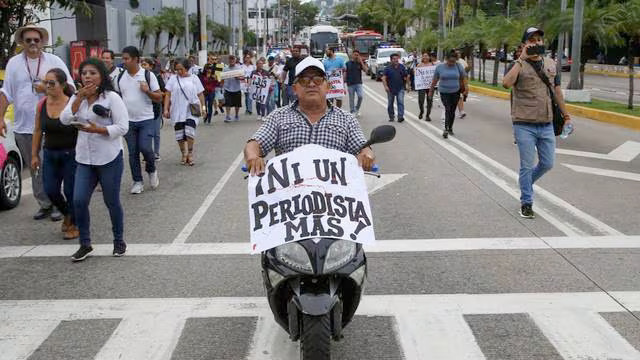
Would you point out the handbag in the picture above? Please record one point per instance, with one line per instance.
(194, 109)
(558, 116)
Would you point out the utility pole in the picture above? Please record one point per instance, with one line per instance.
(202, 9)
(576, 44)
(560, 50)
(289, 23)
(441, 28)
(266, 28)
(186, 27)
(243, 26)
(230, 45)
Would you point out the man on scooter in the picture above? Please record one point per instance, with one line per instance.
(308, 120)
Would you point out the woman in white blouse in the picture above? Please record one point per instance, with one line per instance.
(182, 90)
(102, 120)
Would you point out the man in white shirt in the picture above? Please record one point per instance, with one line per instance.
(195, 69)
(114, 71)
(139, 89)
(24, 87)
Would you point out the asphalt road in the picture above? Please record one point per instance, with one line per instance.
(602, 87)
(457, 273)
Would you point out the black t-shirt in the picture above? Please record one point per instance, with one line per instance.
(354, 73)
(290, 68)
(56, 135)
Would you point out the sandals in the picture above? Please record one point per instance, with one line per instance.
(183, 161)
(189, 160)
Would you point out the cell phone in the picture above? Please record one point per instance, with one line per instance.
(536, 50)
(78, 123)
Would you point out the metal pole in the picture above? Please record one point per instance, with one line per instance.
(441, 27)
(266, 28)
(186, 27)
(560, 50)
(576, 44)
(243, 26)
(289, 21)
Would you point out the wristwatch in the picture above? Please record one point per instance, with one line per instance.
(519, 61)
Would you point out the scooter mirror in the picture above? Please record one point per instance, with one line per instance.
(382, 133)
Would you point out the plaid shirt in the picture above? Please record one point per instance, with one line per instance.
(288, 128)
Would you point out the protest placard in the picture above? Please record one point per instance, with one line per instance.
(336, 85)
(259, 88)
(424, 76)
(307, 193)
(232, 74)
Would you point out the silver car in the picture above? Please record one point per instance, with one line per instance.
(10, 169)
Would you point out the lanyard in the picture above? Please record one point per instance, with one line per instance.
(26, 61)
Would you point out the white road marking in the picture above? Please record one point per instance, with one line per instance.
(565, 318)
(197, 217)
(375, 184)
(270, 341)
(503, 173)
(625, 152)
(583, 335)
(381, 246)
(605, 172)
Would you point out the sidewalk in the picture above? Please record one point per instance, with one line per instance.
(628, 121)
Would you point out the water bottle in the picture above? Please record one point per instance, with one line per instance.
(566, 131)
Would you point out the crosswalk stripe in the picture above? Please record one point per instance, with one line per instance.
(583, 335)
(428, 325)
(380, 246)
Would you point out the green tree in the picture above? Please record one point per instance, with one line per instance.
(16, 14)
(630, 24)
(172, 20)
(304, 15)
(146, 26)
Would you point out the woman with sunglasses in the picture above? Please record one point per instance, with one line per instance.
(58, 164)
(101, 117)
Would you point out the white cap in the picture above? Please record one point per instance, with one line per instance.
(307, 62)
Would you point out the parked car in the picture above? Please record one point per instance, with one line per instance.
(10, 164)
(565, 65)
(382, 58)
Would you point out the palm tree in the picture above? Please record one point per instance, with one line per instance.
(630, 23)
(172, 19)
(158, 28)
(505, 32)
(392, 14)
(145, 26)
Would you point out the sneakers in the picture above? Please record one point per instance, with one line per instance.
(462, 115)
(445, 134)
(358, 114)
(236, 118)
(227, 118)
(153, 180)
(72, 233)
(526, 211)
(42, 213)
(391, 120)
(158, 158)
(137, 187)
(450, 131)
(400, 120)
(56, 215)
(420, 115)
(119, 248)
(82, 253)
(428, 118)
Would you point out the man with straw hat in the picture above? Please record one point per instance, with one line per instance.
(23, 87)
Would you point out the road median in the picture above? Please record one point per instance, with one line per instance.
(628, 121)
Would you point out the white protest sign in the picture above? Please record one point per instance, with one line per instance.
(336, 85)
(231, 74)
(259, 88)
(309, 192)
(424, 76)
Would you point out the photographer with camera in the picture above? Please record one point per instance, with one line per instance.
(532, 113)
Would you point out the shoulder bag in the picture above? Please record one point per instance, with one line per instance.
(558, 116)
(194, 109)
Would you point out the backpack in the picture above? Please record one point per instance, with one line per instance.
(157, 107)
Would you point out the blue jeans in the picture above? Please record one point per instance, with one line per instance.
(355, 89)
(248, 102)
(271, 100)
(59, 167)
(109, 176)
(209, 101)
(157, 123)
(139, 140)
(290, 95)
(530, 137)
(399, 97)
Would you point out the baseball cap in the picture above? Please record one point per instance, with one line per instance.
(530, 31)
(308, 62)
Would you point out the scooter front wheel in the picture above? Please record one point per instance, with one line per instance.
(315, 339)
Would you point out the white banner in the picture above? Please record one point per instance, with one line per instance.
(232, 74)
(309, 192)
(424, 76)
(259, 88)
(336, 85)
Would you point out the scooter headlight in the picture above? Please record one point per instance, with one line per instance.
(294, 256)
(339, 253)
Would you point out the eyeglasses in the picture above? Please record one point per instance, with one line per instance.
(50, 83)
(306, 80)
(32, 40)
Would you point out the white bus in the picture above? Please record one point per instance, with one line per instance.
(319, 37)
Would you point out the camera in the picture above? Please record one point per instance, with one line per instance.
(536, 50)
(101, 110)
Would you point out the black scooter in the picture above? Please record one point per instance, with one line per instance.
(314, 286)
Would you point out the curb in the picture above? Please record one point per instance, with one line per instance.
(628, 121)
(636, 74)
